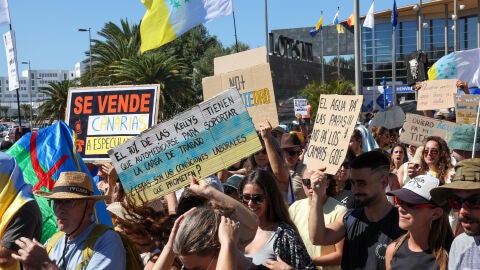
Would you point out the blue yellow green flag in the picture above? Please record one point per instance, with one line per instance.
(42, 155)
(165, 20)
(462, 65)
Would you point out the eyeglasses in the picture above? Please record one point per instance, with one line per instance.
(434, 152)
(472, 203)
(229, 190)
(67, 203)
(294, 153)
(306, 182)
(255, 198)
(403, 204)
(263, 151)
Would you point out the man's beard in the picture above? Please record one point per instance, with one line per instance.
(364, 201)
(471, 219)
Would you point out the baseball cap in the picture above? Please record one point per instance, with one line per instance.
(417, 190)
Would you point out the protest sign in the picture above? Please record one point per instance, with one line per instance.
(334, 123)
(466, 108)
(437, 94)
(300, 106)
(255, 87)
(417, 128)
(105, 117)
(201, 141)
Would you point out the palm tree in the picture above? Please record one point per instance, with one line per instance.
(176, 92)
(27, 110)
(54, 106)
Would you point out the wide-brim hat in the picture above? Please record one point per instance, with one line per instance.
(417, 190)
(467, 177)
(462, 138)
(72, 185)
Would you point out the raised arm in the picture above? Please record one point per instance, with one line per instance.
(276, 161)
(318, 232)
(247, 218)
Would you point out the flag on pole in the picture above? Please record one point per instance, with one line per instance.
(462, 65)
(165, 20)
(4, 13)
(370, 18)
(394, 15)
(9, 41)
(336, 22)
(318, 27)
(42, 155)
(351, 20)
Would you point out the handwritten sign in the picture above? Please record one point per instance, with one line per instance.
(106, 117)
(300, 106)
(466, 108)
(209, 137)
(334, 124)
(255, 87)
(416, 128)
(437, 94)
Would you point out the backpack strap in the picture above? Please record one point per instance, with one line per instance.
(52, 242)
(87, 252)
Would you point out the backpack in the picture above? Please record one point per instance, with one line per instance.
(133, 261)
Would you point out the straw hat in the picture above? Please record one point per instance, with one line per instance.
(72, 185)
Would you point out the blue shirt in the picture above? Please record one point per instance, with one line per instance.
(108, 253)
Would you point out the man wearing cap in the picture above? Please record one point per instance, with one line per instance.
(461, 142)
(463, 195)
(368, 229)
(19, 212)
(73, 204)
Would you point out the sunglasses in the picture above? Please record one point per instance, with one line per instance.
(306, 182)
(263, 151)
(403, 204)
(472, 203)
(434, 152)
(65, 203)
(294, 153)
(255, 198)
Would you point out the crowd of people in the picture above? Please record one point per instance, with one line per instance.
(389, 206)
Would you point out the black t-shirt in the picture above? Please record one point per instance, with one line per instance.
(365, 241)
(405, 259)
(27, 222)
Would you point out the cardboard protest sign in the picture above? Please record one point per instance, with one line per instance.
(437, 94)
(334, 124)
(300, 106)
(417, 128)
(466, 108)
(105, 117)
(255, 87)
(201, 141)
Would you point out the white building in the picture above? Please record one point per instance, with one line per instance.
(30, 81)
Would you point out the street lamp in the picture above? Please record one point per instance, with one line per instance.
(29, 87)
(90, 46)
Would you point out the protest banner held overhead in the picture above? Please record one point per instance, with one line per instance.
(334, 123)
(466, 108)
(417, 128)
(105, 117)
(201, 141)
(438, 94)
(300, 106)
(255, 87)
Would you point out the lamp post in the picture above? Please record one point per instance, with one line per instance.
(29, 88)
(90, 49)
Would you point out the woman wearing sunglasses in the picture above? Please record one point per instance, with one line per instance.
(429, 236)
(277, 240)
(436, 160)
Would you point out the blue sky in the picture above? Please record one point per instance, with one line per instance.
(47, 35)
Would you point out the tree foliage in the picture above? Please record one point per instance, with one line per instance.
(54, 105)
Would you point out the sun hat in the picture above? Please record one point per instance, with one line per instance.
(289, 140)
(233, 181)
(119, 211)
(72, 185)
(462, 138)
(467, 177)
(417, 190)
